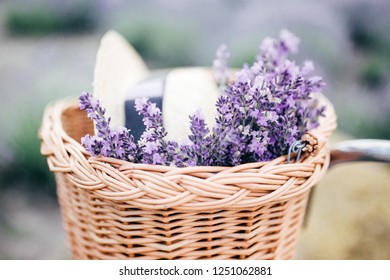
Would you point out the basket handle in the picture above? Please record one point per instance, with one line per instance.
(360, 150)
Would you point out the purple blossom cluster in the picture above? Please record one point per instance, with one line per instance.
(117, 142)
(267, 106)
(220, 66)
(262, 111)
(153, 148)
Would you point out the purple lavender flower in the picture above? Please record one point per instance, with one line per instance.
(117, 143)
(199, 138)
(93, 144)
(152, 144)
(220, 66)
(289, 41)
(266, 108)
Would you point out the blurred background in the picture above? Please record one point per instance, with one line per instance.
(48, 49)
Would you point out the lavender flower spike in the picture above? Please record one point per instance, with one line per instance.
(117, 143)
(220, 66)
(289, 40)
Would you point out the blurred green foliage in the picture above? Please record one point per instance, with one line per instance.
(368, 27)
(44, 17)
(368, 31)
(365, 127)
(161, 44)
(26, 167)
(374, 71)
(243, 56)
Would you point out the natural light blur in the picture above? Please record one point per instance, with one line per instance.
(48, 51)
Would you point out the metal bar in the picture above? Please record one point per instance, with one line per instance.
(360, 150)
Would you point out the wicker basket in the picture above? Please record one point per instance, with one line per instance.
(113, 209)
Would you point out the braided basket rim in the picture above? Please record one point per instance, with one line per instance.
(187, 188)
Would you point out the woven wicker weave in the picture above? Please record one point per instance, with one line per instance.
(114, 209)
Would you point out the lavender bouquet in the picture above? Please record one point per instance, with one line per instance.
(262, 110)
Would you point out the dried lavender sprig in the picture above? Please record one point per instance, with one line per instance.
(154, 148)
(220, 66)
(117, 143)
(152, 144)
(268, 106)
(200, 140)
